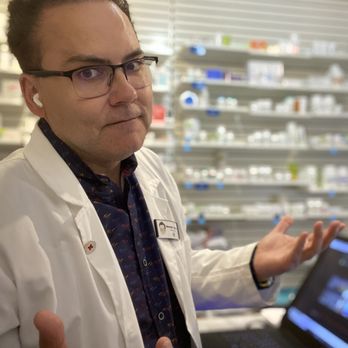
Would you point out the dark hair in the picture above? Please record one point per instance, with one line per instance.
(23, 20)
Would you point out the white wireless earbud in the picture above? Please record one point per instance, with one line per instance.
(36, 99)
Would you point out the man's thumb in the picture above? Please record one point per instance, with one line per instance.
(51, 330)
(164, 342)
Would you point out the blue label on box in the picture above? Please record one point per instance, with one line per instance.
(198, 50)
(333, 218)
(187, 147)
(332, 194)
(198, 85)
(276, 219)
(201, 219)
(202, 186)
(333, 151)
(220, 185)
(213, 112)
(188, 221)
(215, 74)
(188, 185)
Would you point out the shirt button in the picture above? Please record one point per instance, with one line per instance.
(145, 262)
(90, 247)
(160, 315)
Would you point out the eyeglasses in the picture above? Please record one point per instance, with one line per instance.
(96, 80)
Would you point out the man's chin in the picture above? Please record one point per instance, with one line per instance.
(134, 146)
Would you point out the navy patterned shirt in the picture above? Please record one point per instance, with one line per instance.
(127, 223)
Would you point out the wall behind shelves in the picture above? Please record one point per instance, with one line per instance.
(153, 21)
(271, 20)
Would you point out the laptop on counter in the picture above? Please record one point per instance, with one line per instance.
(317, 317)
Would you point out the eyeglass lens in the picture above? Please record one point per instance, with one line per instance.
(96, 81)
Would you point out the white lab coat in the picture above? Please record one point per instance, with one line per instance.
(46, 224)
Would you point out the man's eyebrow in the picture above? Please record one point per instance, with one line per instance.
(90, 59)
(86, 59)
(136, 53)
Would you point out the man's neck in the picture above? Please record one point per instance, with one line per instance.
(112, 171)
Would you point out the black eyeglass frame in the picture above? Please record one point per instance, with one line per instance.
(69, 73)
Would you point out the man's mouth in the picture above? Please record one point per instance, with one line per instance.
(124, 121)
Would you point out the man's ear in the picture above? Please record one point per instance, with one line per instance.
(29, 87)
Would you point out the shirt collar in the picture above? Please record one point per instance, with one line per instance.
(75, 163)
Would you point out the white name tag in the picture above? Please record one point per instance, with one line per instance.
(166, 229)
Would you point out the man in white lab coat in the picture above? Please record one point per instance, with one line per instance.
(83, 202)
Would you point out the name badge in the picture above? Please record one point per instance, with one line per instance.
(166, 229)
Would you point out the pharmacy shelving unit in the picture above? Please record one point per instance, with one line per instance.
(239, 227)
(11, 109)
(161, 135)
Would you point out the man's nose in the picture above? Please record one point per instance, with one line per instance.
(121, 90)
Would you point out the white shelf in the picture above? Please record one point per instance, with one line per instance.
(215, 183)
(225, 54)
(266, 114)
(9, 73)
(299, 116)
(243, 146)
(8, 102)
(160, 89)
(237, 110)
(159, 144)
(9, 143)
(162, 53)
(245, 85)
(161, 126)
(328, 191)
(264, 217)
(339, 148)
(336, 215)
(260, 147)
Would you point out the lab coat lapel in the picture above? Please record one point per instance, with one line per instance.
(52, 169)
(104, 261)
(159, 208)
(58, 177)
(171, 250)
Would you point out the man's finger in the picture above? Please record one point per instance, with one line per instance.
(298, 249)
(51, 330)
(284, 224)
(164, 342)
(332, 231)
(316, 241)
